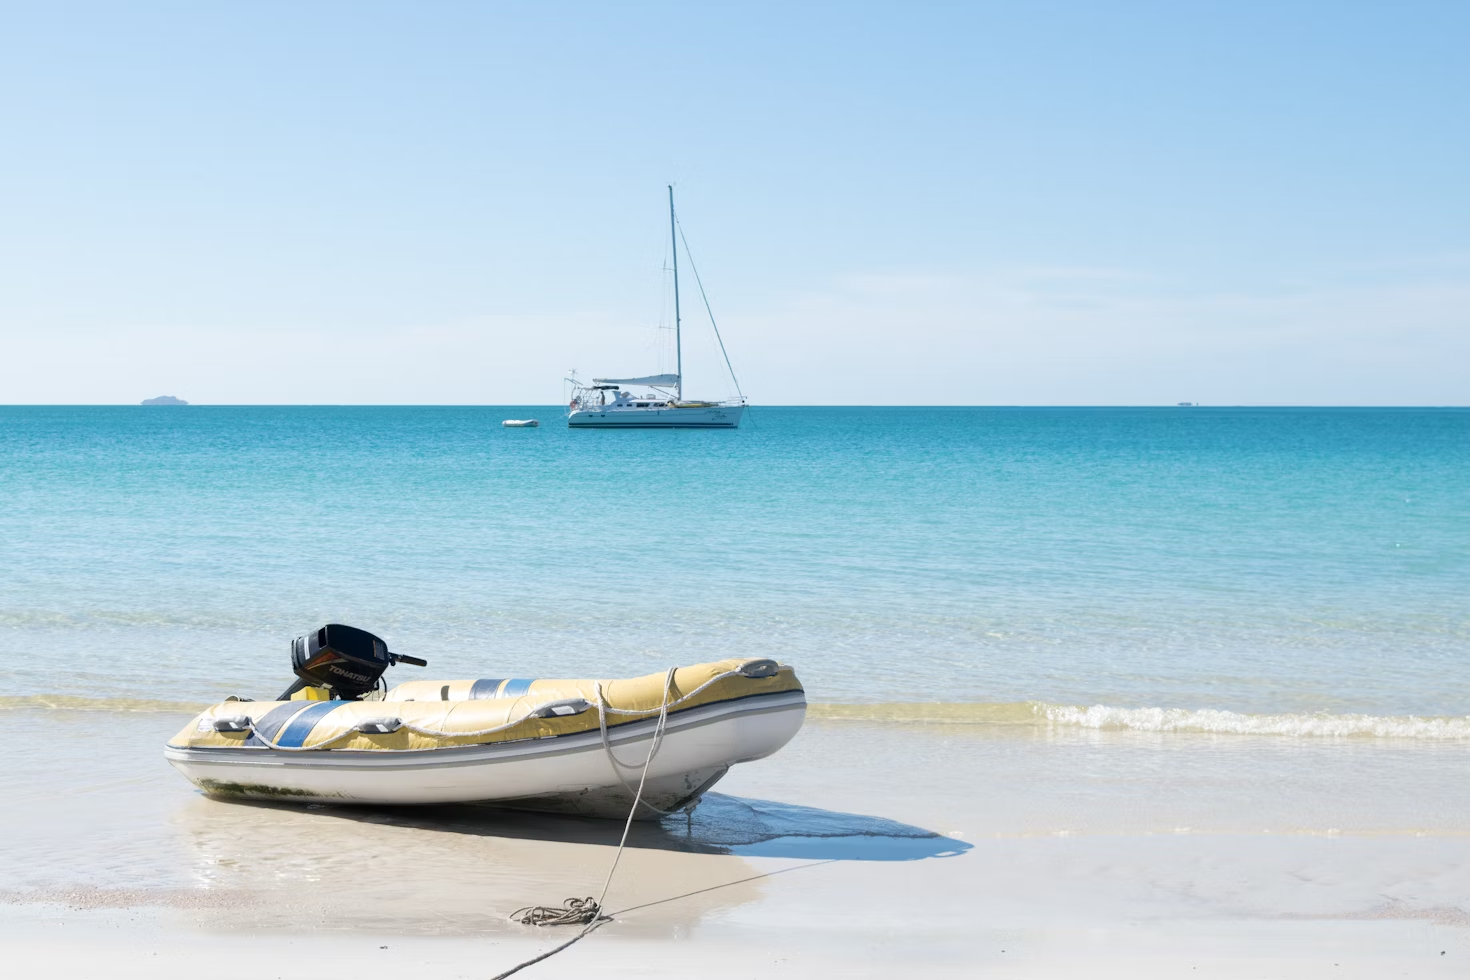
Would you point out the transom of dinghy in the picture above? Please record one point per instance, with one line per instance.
(445, 710)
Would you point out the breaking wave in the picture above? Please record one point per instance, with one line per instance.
(1104, 718)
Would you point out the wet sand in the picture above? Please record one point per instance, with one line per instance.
(860, 850)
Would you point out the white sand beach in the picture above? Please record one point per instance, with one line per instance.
(863, 849)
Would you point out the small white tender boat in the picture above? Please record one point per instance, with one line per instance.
(521, 423)
(576, 746)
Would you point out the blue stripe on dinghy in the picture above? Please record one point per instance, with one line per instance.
(264, 728)
(295, 733)
(484, 689)
(517, 686)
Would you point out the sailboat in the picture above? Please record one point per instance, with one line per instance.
(655, 401)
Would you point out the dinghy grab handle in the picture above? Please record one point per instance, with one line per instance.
(564, 708)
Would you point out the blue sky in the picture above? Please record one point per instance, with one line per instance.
(1035, 203)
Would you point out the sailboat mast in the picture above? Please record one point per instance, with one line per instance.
(678, 340)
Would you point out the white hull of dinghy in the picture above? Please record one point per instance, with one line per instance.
(565, 773)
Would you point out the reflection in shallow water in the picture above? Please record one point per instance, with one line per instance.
(462, 869)
(409, 871)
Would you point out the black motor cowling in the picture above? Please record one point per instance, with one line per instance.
(344, 659)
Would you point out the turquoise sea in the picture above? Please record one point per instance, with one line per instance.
(1296, 564)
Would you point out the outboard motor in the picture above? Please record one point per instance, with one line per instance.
(343, 659)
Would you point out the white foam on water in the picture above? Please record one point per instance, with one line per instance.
(1213, 721)
(1101, 717)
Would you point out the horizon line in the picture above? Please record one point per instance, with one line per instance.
(559, 407)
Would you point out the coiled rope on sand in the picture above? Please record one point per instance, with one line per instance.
(572, 912)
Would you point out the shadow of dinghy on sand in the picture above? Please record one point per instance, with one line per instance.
(717, 824)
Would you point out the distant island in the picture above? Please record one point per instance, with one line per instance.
(164, 400)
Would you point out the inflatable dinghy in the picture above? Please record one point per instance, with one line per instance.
(575, 746)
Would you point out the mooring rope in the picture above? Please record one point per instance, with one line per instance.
(585, 911)
(662, 901)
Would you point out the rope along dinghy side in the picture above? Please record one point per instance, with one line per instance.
(603, 710)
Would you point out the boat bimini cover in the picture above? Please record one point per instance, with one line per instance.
(441, 714)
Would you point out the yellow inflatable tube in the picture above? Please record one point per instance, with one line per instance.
(443, 714)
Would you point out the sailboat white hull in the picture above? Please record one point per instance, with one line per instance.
(714, 417)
